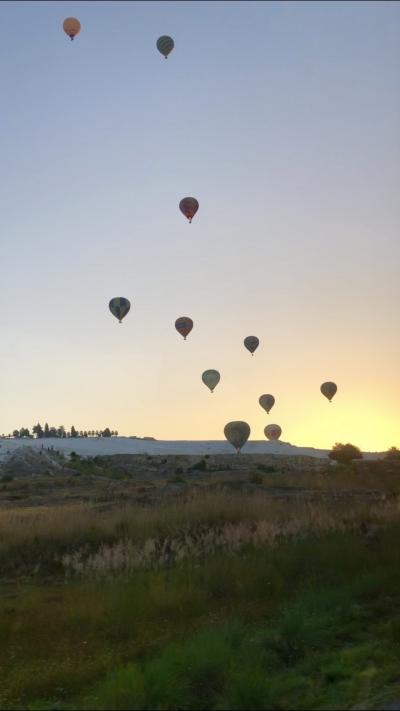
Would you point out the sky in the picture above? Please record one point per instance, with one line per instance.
(283, 120)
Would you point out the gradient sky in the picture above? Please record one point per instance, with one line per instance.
(283, 120)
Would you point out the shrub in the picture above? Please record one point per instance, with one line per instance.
(255, 478)
(345, 453)
(200, 466)
(177, 479)
(393, 454)
(6, 478)
(266, 468)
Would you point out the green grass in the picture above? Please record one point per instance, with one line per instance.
(278, 604)
(308, 623)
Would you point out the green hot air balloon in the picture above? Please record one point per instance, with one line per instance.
(267, 402)
(237, 434)
(165, 45)
(329, 390)
(211, 378)
(119, 307)
(272, 431)
(251, 343)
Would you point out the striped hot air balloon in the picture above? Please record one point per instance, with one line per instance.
(165, 45)
(184, 325)
(72, 27)
(119, 307)
(189, 207)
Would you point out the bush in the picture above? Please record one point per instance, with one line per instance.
(393, 454)
(345, 453)
(177, 479)
(266, 468)
(200, 466)
(255, 478)
(6, 478)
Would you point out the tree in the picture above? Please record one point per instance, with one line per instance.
(37, 430)
(15, 433)
(106, 432)
(393, 454)
(73, 432)
(46, 430)
(345, 453)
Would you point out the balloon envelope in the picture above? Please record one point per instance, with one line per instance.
(189, 207)
(267, 401)
(272, 431)
(237, 434)
(119, 307)
(211, 378)
(328, 389)
(184, 325)
(165, 45)
(72, 27)
(251, 343)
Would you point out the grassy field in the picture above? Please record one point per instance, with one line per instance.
(213, 599)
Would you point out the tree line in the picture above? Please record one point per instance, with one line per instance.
(59, 432)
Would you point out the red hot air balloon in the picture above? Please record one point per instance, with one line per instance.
(272, 431)
(184, 325)
(189, 207)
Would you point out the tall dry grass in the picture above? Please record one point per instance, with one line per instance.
(81, 540)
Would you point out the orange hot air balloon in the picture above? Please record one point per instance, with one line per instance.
(184, 325)
(189, 207)
(72, 27)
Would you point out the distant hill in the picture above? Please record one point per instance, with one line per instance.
(126, 445)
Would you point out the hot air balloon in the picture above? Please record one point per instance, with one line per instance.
(251, 343)
(267, 401)
(211, 378)
(189, 207)
(165, 45)
(328, 389)
(272, 431)
(72, 27)
(237, 434)
(119, 307)
(184, 325)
